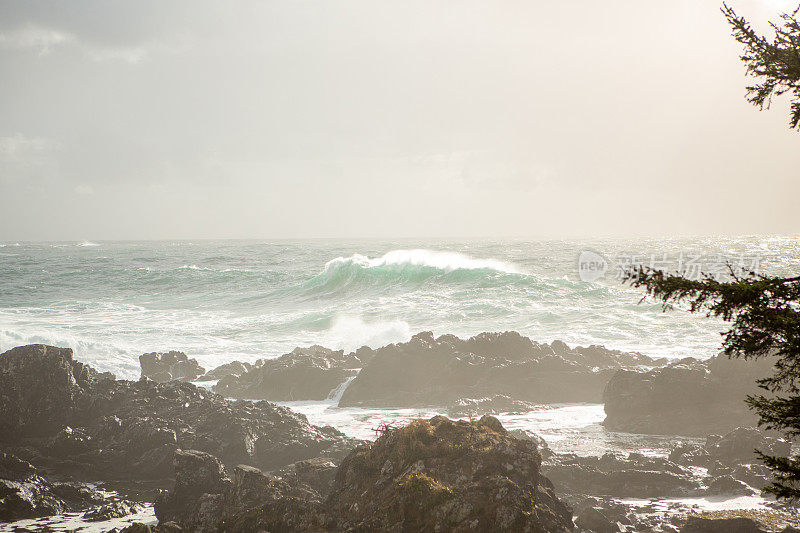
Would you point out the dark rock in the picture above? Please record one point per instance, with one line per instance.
(636, 477)
(492, 405)
(695, 524)
(593, 519)
(204, 498)
(303, 374)
(428, 371)
(112, 429)
(164, 367)
(317, 474)
(688, 397)
(40, 389)
(541, 446)
(690, 455)
(739, 446)
(110, 510)
(437, 474)
(755, 475)
(26, 494)
(198, 477)
(432, 475)
(234, 368)
(138, 527)
(727, 485)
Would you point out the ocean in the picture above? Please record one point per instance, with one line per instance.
(220, 301)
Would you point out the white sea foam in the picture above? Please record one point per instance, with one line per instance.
(447, 261)
(350, 333)
(337, 393)
(88, 243)
(192, 267)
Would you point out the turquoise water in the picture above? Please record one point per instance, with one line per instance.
(224, 300)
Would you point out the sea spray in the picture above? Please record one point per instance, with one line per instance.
(249, 300)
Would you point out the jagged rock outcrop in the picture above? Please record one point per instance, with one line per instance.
(593, 519)
(738, 447)
(87, 425)
(439, 474)
(731, 461)
(164, 367)
(317, 474)
(429, 371)
(492, 405)
(636, 476)
(303, 374)
(432, 475)
(698, 524)
(42, 389)
(234, 368)
(688, 397)
(25, 493)
(206, 498)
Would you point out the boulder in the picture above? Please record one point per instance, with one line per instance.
(541, 445)
(738, 446)
(111, 510)
(696, 524)
(317, 474)
(593, 519)
(25, 493)
(304, 374)
(430, 371)
(206, 498)
(439, 474)
(492, 405)
(728, 486)
(688, 454)
(41, 390)
(234, 368)
(199, 477)
(635, 477)
(164, 367)
(688, 397)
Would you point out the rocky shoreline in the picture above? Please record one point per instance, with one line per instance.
(224, 464)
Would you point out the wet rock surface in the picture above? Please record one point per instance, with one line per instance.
(441, 474)
(722, 525)
(251, 466)
(83, 424)
(636, 476)
(687, 397)
(730, 460)
(164, 367)
(432, 475)
(42, 389)
(303, 374)
(26, 493)
(234, 368)
(431, 371)
(492, 405)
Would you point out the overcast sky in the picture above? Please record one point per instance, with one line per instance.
(147, 120)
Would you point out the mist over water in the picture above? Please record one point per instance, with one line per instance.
(224, 300)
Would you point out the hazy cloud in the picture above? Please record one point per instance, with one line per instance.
(41, 40)
(286, 119)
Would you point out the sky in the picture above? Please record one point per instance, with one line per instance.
(359, 119)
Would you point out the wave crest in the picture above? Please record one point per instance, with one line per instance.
(446, 261)
(403, 267)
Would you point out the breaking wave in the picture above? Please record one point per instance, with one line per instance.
(402, 267)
